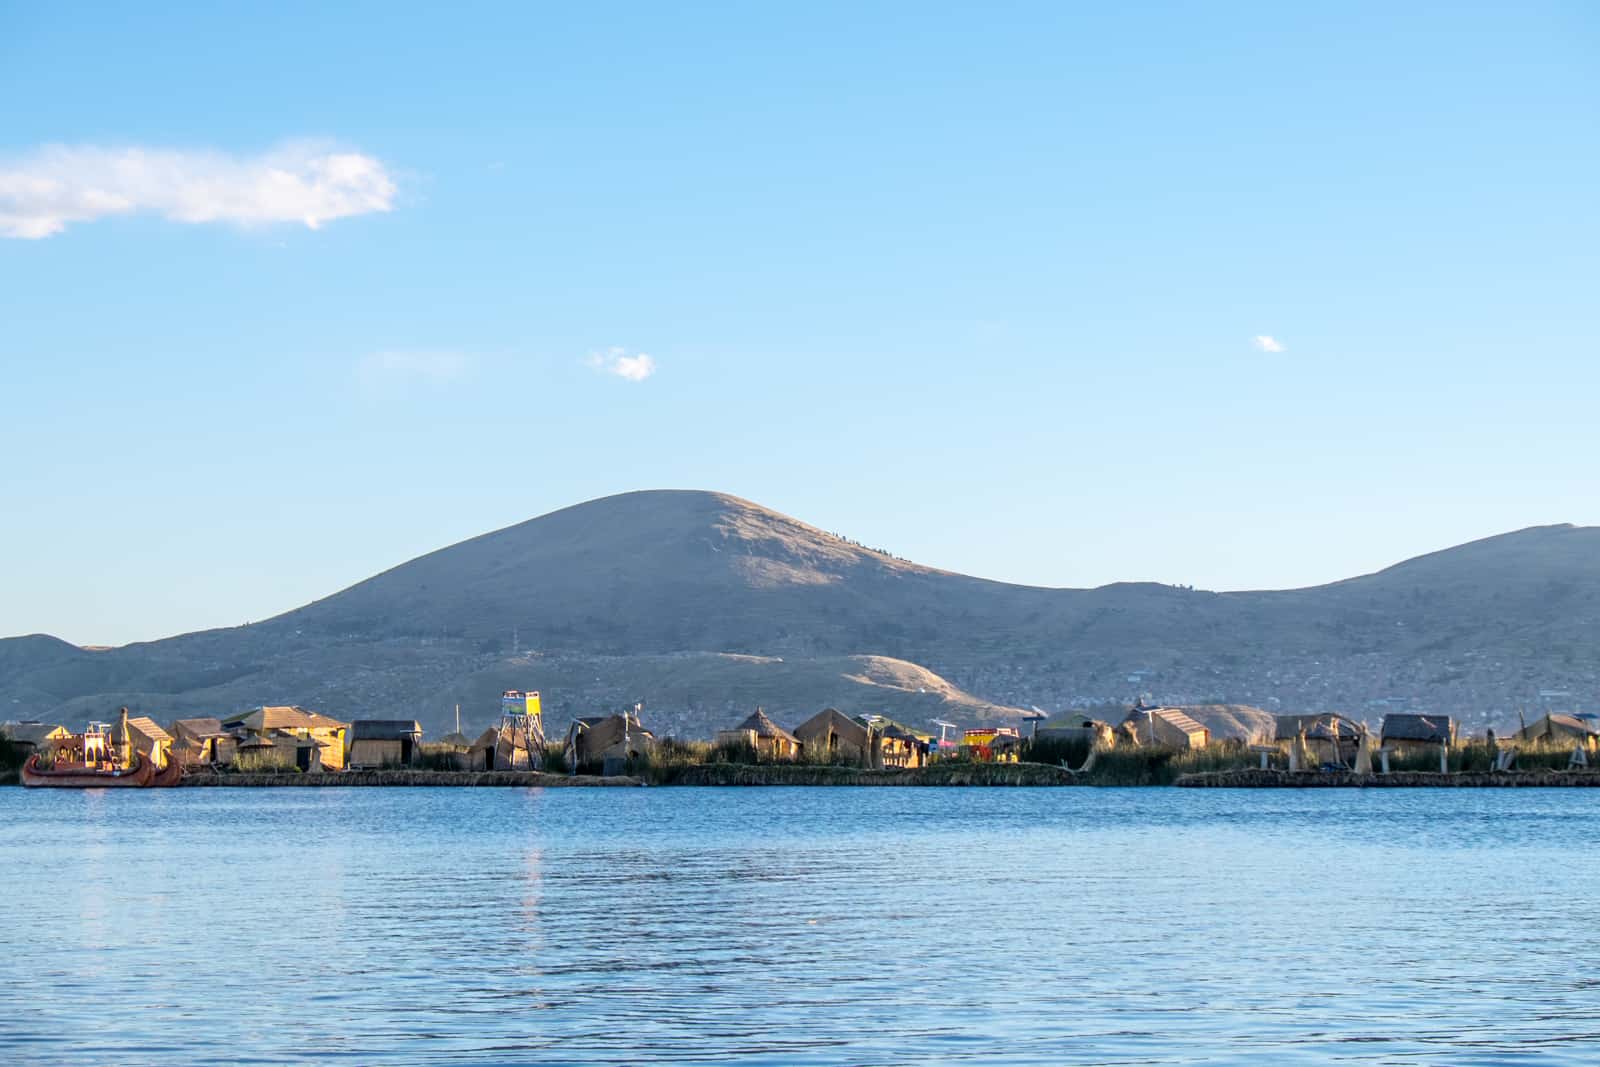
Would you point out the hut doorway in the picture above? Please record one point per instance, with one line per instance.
(405, 751)
(302, 758)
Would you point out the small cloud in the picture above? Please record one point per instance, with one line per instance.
(404, 367)
(617, 361)
(1267, 343)
(45, 191)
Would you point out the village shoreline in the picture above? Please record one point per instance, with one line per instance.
(951, 774)
(720, 774)
(287, 746)
(401, 778)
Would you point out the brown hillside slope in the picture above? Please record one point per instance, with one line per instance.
(1472, 630)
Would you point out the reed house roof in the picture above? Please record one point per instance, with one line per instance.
(831, 719)
(199, 729)
(385, 730)
(285, 718)
(147, 726)
(1435, 729)
(762, 726)
(1324, 727)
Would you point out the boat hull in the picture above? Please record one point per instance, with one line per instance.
(168, 775)
(140, 775)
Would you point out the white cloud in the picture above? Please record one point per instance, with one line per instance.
(634, 368)
(1267, 343)
(42, 193)
(403, 367)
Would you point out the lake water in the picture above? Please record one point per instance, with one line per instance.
(799, 926)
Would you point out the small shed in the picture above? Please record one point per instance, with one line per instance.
(1402, 732)
(764, 737)
(384, 742)
(832, 735)
(150, 740)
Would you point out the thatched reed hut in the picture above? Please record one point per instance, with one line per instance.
(201, 742)
(1164, 727)
(764, 737)
(286, 727)
(504, 748)
(1410, 732)
(832, 736)
(150, 740)
(384, 742)
(607, 739)
(1330, 738)
(1559, 728)
(1076, 729)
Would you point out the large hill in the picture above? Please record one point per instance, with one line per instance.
(704, 604)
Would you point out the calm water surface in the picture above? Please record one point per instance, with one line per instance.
(799, 926)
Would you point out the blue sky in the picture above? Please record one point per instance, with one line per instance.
(985, 287)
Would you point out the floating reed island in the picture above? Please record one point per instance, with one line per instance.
(404, 777)
(279, 746)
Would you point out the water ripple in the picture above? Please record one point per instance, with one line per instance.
(798, 927)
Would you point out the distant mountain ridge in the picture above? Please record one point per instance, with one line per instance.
(703, 603)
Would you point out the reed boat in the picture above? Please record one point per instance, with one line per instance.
(168, 775)
(98, 758)
(84, 776)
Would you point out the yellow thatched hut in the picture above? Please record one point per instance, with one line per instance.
(281, 729)
(764, 737)
(150, 740)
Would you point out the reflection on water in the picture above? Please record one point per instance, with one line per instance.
(799, 926)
